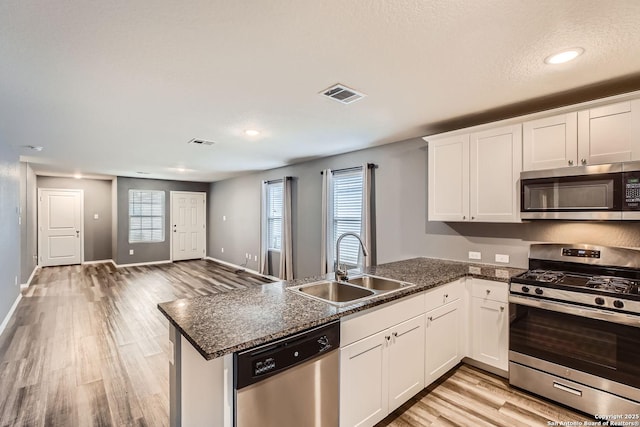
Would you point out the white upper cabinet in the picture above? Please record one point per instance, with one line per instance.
(551, 142)
(449, 178)
(474, 176)
(610, 133)
(495, 165)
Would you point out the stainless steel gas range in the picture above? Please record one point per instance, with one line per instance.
(575, 327)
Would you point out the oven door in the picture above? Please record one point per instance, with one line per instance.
(597, 342)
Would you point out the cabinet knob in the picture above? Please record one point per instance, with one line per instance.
(464, 217)
(395, 334)
(430, 318)
(446, 295)
(570, 162)
(473, 217)
(501, 308)
(388, 337)
(488, 291)
(583, 161)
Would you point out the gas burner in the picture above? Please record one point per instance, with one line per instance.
(544, 276)
(613, 284)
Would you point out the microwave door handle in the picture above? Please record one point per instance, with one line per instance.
(592, 313)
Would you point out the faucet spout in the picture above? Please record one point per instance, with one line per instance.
(341, 275)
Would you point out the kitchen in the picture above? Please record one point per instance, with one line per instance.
(401, 226)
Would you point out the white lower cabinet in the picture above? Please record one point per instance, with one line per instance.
(444, 340)
(381, 372)
(489, 328)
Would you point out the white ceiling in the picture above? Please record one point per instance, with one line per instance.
(119, 86)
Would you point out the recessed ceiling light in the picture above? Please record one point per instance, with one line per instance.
(251, 132)
(34, 147)
(564, 56)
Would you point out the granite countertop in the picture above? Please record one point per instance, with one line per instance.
(225, 323)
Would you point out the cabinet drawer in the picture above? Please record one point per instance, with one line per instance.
(490, 290)
(368, 322)
(444, 294)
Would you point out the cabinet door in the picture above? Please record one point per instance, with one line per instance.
(364, 381)
(489, 328)
(551, 142)
(443, 349)
(495, 165)
(610, 133)
(406, 361)
(449, 179)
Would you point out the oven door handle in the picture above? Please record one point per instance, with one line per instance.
(592, 313)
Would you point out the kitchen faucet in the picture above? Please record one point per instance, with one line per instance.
(341, 275)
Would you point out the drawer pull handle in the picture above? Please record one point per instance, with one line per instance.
(567, 389)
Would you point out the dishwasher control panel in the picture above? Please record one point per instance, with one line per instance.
(253, 365)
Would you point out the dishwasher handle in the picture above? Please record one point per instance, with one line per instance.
(259, 363)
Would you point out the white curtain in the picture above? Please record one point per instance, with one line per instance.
(264, 246)
(326, 255)
(366, 228)
(286, 252)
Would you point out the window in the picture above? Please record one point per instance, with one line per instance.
(146, 216)
(274, 214)
(347, 212)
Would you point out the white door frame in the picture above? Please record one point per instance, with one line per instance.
(204, 216)
(38, 228)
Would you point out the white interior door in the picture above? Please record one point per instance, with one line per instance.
(188, 225)
(60, 226)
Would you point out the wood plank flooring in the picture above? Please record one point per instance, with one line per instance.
(471, 397)
(88, 347)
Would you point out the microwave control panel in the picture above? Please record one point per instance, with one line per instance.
(631, 188)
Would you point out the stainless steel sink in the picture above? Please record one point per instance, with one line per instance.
(335, 291)
(350, 292)
(377, 283)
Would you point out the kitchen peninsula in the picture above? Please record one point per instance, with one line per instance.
(206, 331)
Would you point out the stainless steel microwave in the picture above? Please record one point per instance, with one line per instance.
(599, 192)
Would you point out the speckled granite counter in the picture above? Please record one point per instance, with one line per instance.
(225, 323)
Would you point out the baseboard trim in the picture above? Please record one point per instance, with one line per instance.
(7, 318)
(138, 264)
(28, 283)
(239, 267)
(100, 261)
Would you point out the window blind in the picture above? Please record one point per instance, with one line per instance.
(347, 212)
(146, 216)
(274, 214)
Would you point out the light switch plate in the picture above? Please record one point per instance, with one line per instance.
(130, 251)
(502, 258)
(475, 255)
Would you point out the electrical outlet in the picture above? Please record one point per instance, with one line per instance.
(224, 217)
(96, 216)
(222, 250)
(503, 274)
(475, 270)
(16, 280)
(246, 255)
(502, 258)
(475, 255)
(255, 258)
(130, 251)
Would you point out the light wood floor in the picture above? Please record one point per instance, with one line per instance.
(471, 397)
(88, 347)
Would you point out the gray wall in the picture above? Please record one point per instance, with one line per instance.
(146, 252)
(29, 222)
(97, 200)
(401, 211)
(9, 228)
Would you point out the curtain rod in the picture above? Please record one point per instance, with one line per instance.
(288, 178)
(369, 166)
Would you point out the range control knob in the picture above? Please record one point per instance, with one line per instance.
(538, 291)
(525, 289)
(600, 301)
(618, 304)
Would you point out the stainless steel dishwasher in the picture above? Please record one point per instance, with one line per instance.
(290, 382)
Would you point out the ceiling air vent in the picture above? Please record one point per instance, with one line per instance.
(343, 94)
(197, 141)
